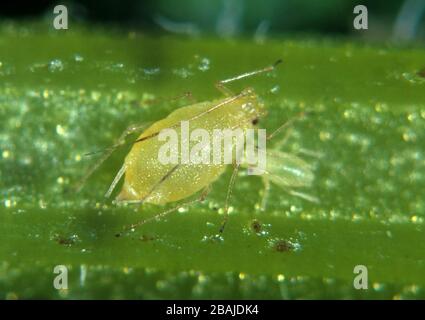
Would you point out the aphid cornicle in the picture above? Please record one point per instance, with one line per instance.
(146, 180)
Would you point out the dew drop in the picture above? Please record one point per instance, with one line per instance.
(324, 135)
(275, 89)
(7, 203)
(409, 136)
(60, 130)
(182, 73)
(204, 65)
(149, 72)
(55, 65)
(78, 58)
(242, 276)
(280, 277)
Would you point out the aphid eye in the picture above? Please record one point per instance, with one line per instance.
(254, 121)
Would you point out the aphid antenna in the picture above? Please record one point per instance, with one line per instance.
(228, 196)
(111, 148)
(252, 73)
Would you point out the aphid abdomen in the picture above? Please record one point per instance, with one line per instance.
(287, 170)
(179, 180)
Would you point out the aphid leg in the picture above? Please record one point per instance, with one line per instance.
(223, 89)
(220, 85)
(116, 180)
(106, 154)
(303, 195)
(229, 194)
(266, 193)
(158, 216)
(285, 125)
(186, 94)
(311, 153)
(281, 142)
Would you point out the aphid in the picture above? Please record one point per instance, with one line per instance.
(146, 180)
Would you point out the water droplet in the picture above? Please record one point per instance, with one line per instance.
(55, 65)
(413, 78)
(381, 107)
(95, 95)
(182, 73)
(78, 58)
(7, 203)
(409, 136)
(202, 278)
(204, 65)
(60, 130)
(275, 89)
(324, 135)
(42, 204)
(149, 72)
(414, 219)
(213, 238)
(118, 66)
(378, 286)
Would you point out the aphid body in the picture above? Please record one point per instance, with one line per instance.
(143, 171)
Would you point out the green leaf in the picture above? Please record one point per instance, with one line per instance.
(66, 93)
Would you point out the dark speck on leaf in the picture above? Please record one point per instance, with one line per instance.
(146, 238)
(283, 246)
(66, 241)
(256, 226)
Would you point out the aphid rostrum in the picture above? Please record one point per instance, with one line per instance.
(146, 180)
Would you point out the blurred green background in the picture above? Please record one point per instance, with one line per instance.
(399, 20)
